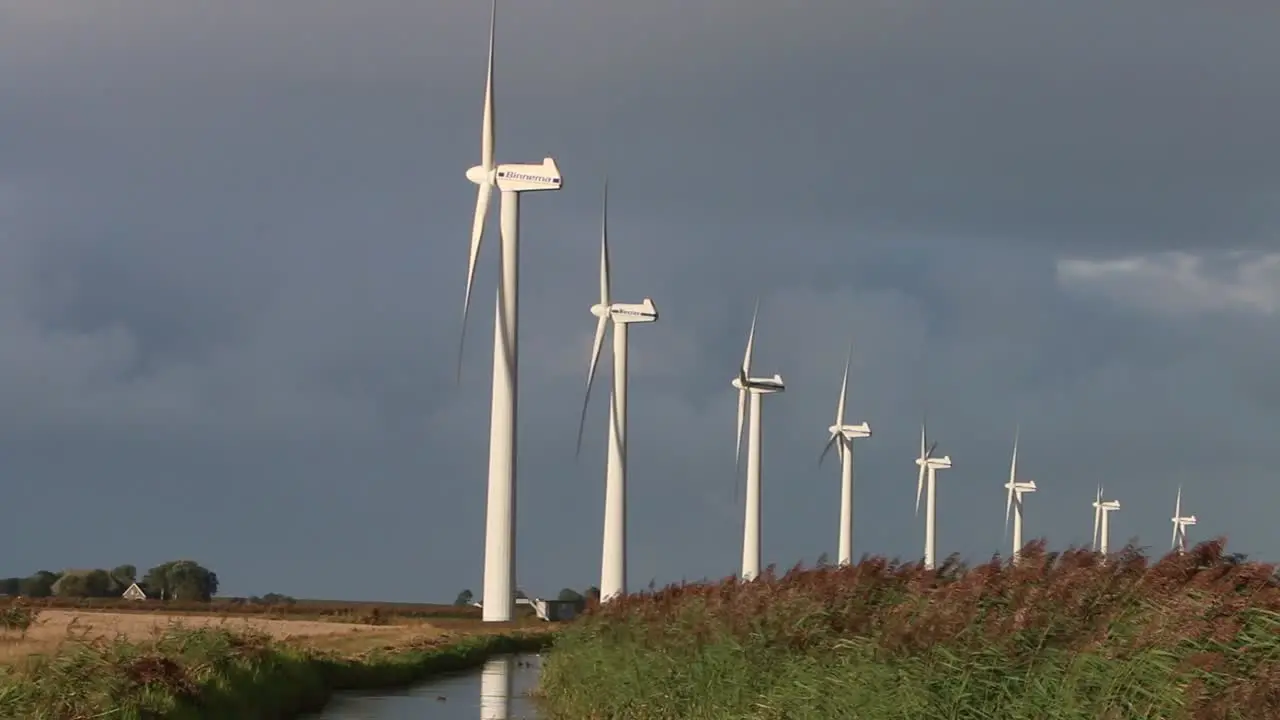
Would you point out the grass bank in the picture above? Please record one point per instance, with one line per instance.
(209, 673)
(1058, 637)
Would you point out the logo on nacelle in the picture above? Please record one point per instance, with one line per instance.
(633, 313)
(512, 175)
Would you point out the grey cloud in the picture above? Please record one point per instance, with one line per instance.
(234, 241)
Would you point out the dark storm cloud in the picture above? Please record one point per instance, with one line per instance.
(234, 239)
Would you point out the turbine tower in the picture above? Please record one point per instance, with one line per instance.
(755, 387)
(1102, 510)
(1180, 524)
(929, 466)
(1013, 501)
(842, 437)
(613, 564)
(511, 180)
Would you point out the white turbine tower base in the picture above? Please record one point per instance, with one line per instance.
(929, 467)
(1102, 510)
(1180, 524)
(1013, 501)
(613, 562)
(842, 437)
(511, 180)
(755, 387)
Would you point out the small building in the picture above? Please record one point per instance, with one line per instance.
(556, 610)
(134, 593)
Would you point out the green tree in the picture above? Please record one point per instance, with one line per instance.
(10, 586)
(38, 585)
(464, 598)
(122, 576)
(182, 580)
(592, 593)
(570, 595)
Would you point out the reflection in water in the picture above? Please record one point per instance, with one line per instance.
(498, 691)
(495, 689)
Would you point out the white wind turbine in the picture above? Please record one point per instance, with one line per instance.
(755, 387)
(929, 466)
(1180, 524)
(842, 437)
(1102, 521)
(1013, 501)
(511, 180)
(613, 564)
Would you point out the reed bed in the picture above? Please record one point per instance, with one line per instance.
(1058, 636)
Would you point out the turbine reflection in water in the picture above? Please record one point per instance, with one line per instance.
(495, 689)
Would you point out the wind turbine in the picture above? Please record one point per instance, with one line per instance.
(755, 387)
(1013, 501)
(511, 180)
(1101, 521)
(842, 437)
(1180, 524)
(613, 564)
(929, 466)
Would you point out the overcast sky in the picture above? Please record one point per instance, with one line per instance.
(233, 243)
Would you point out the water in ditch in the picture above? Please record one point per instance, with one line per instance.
(498, 691)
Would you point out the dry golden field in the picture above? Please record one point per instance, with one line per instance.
(53, 629)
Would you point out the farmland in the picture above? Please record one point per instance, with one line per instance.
(1058, 636)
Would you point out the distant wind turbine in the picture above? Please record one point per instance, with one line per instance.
(613, 563)
(1180, 524)
(842, 437)
(929, 467)
(755, 387)
(1013, 501)
(511, 180)
(1101, 521)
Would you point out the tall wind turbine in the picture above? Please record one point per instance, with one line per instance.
(613, 564)
(511, 180)
(1013, 501)
(1180, 524)
(755, 387)
(1102, 510)
(929, 467)
(842, 437)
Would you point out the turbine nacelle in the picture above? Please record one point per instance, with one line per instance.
(525, 177)
(852, 432)
(1185, 521)
(760, 385)
(1020, 487)
(1107, 505)
(934, 463)
(642, 312)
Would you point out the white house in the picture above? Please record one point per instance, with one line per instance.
(134, 593)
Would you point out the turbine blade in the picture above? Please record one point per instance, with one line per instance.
(1177, 507)
(742, 409)
(477, 233)
(604, 249)
(1097, 517)
(830, 442)
(1174, 541)
(591, 374)
(1013, 474)
(844, 387)
(919, 487)
(922, 440)
(932, 447)
(486, 136)
(751, 338)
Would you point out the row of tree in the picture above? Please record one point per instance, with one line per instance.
(173, 580)
(466, 597)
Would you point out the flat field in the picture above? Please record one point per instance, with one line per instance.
(53, 630)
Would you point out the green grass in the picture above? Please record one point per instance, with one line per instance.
(1059, 637)
(208, 673)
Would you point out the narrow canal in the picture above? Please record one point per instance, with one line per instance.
(498, 691)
